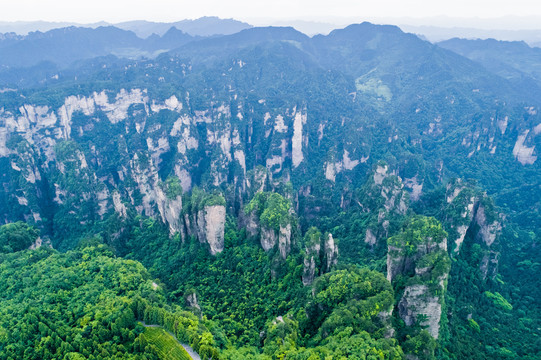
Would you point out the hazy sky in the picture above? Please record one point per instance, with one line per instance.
(171, 10)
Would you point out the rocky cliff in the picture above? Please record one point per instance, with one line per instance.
(69, 153)
(204, 218)
(469, 210)
(271, 217)
(384, 198)
(418, 256)
(320, 254)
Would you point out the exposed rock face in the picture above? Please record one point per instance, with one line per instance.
(487, 231)
(461, 202)
(384, 197)
(320, 255)
(103, 200)
(309, 270)
(171, 210)
(120, 208)
(332, 167)
(490, 227)
(420, 250)
(268, 238)
(297, 140)
(172, 104)
(136, 182)
(208, 226)
(191, 300)
(37, 244)
(331, 252)
(153, 196)
(380, 174)
(312, 256)
(47, 128)
(256, 180)
(284, 240)
(215, 227)
(415, 302)
(370, 238)
(521, 152)
(415, 187)
(251, 223)
(468, 209)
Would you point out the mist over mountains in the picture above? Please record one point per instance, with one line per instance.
(433, 29)
(205, 26)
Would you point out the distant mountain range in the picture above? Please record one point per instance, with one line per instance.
(433, 30)
(205, 26)
(67, 45)
(436, 34)
(512, 60)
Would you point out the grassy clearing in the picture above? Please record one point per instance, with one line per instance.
(168, 347)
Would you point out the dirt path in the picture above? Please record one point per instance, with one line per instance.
(188, 348)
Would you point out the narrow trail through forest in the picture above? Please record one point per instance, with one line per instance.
(188, 348)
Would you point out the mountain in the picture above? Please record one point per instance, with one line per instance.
(439, 34)
(204, 26)
(26, 27)
(355, 194)
(67, 45)
(515, 61)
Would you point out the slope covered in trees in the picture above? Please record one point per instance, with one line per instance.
(83, 304)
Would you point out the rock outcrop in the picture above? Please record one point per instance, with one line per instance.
(320, 254)
(459, 212)
(207, 224)
(470, 210)
(383, 197)
(271, 217)
(215, 227)
(269, 238)
(416, 306)
(334, 167)
(419, 253)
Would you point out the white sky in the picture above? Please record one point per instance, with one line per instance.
(323, 10)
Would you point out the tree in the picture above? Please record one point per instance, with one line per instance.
(17, 236)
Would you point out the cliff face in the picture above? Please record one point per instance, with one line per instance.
(469, 210)
(419, 254)
(311, 261)
(284, 240)
(246, 140)
(489, 223)
(271, 217)
(383, 196)
(204, 219)
(320, 254)
(212, 134)
(269, 238)
(214, 227)
(416, 306)
(71, 155)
